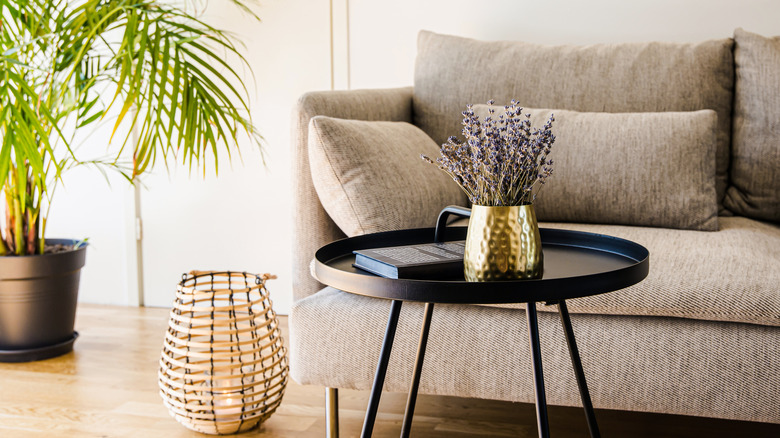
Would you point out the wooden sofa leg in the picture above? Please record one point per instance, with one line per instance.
(332, 412)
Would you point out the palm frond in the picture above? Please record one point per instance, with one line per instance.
(163, 69)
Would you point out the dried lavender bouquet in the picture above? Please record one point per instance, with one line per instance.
(503, 161)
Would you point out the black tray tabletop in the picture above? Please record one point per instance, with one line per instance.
(576, 264)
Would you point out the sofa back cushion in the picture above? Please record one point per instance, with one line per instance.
(755, 169)
(645, 169)
(370, 178)
(451, 72)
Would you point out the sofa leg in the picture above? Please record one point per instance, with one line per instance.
(332, 412)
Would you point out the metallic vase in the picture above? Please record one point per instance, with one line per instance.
(503, 243)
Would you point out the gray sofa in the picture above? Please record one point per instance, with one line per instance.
(699, 336)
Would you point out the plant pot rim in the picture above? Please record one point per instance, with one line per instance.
(52, 242)
(41, 265)
(502, 206)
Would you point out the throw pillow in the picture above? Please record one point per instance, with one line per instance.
(647, 169)
(369, 175)
(755, 171)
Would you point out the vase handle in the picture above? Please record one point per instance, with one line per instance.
(441, 222)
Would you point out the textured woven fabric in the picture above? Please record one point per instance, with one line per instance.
(690, 359)
(730, 275)
(652, 364)
(755, 170)
(312, 227)
(451, 72)
(649, 169)
(370, 178)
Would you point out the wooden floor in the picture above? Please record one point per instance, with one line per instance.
(108, 388)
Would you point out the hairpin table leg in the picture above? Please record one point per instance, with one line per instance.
(418, 364)
(381, 369)
(576, 363)
(536, 357)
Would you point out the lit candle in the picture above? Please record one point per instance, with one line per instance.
(227, 405)
(228, 392)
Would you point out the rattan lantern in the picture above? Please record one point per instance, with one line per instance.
(223, 367)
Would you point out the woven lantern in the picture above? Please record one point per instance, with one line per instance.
(223, 367)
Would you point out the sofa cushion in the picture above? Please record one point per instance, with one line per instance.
(651, 169)
(755, 168)
(451, 72)
(652, 364)
(369, 175)
(730, 275)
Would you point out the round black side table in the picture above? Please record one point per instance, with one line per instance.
(576, 264)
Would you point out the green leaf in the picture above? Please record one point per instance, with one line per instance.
(60, 61)
(7, 146)
(176, 84)
(90, 120)
(136, 83)
(214, 72)
(186, 40)
(11, 51)
(84, 110)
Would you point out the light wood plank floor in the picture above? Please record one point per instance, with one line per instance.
(108, 388)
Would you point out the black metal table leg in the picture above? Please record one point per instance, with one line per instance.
(418, 364)
(536, 358)
(577, 365)
(381, 369)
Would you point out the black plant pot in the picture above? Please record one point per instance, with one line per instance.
(38, 297)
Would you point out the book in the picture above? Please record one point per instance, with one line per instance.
(426, 261)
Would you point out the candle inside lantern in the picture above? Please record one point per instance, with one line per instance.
(228, 401)
(227, 405)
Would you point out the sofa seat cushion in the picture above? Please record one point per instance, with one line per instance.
(755, 170)
(729, 275)
(451, 72)
(370, 178)
(653, 364)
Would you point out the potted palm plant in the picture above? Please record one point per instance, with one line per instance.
(152, 70)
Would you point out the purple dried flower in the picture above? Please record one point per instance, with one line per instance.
(503, 160)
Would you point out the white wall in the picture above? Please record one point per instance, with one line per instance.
(241, 220)
(383, 35)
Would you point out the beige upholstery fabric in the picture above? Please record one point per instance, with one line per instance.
(312, 227)
(730, 275)
(652, 77)
(755, 170)
(652, 364)
(650, 169)
(369, 175)
(680, 364)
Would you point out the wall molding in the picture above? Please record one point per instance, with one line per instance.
(339, 45)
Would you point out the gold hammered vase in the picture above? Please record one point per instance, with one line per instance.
(503, 243)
